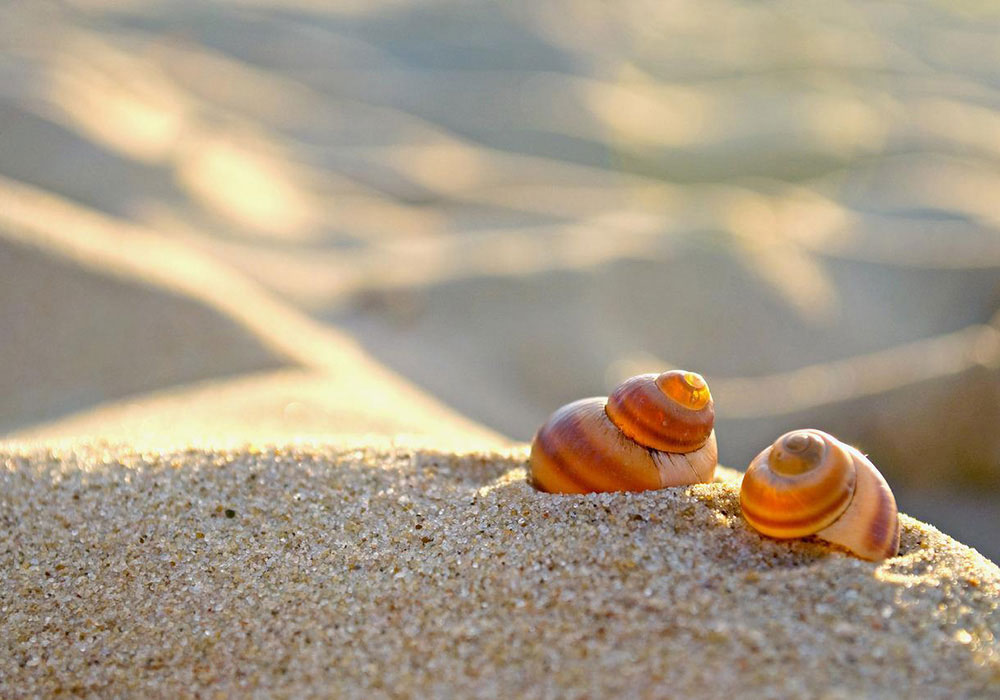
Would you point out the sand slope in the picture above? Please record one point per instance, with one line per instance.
(73, 338)
(507, 207)
(284, 405)
(361, 571)
(106, 308)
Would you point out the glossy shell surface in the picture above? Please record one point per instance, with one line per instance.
(654, 431)
(810, 483)
(672, 412)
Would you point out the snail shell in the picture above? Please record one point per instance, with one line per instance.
(653, 431)
(810, 483)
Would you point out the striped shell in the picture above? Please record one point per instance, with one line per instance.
(653, 431)
(810, 483)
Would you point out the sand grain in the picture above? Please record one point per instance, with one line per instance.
(323, 571)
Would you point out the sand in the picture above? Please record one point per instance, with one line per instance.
(246, 224)
(487, 213)
(387, 570)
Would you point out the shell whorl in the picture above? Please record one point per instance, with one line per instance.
(583, 447)
(671, 412)
(810, 483)
(798, 485)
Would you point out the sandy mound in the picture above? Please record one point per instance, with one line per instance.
(173, 319)
(269, 407)
(191, 192)
(54, 361)
(315, 570)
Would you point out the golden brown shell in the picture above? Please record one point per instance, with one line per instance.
(653, 431)
(672, 412)
(810, 483)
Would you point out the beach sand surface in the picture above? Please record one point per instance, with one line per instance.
(417, 217)
(288, 285)
(388, 570)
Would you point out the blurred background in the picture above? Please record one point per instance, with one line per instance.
(268, 218)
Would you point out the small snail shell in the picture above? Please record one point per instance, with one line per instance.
(810, 483)
(653, 431)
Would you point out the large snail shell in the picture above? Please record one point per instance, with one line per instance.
(653, 431)
(810, 483)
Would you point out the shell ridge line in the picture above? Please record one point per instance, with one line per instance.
(632, 412)
(881, 533)
(582, 435)
(827, 449)
(558, 464)
(654, 456)
(650, 451)
(554, 451)
(549, 457)
(888, 530)
(611, 457)
(839, 506)
(624, 438)
(694, 471)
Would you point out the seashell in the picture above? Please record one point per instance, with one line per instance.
(811, 483)
(653, 431)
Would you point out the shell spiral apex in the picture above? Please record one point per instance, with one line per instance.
(653, 431)
(811, 483)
